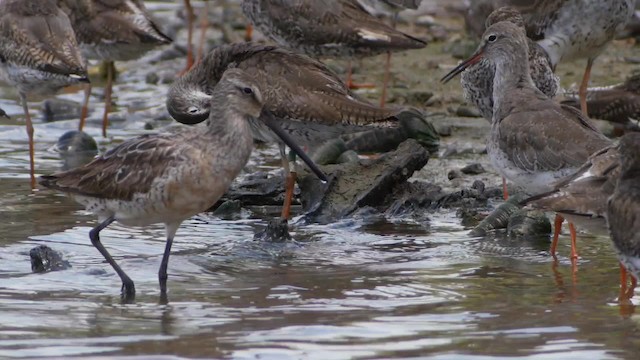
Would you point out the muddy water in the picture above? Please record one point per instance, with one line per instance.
(359, 288)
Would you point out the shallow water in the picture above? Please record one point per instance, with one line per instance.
(359, 288)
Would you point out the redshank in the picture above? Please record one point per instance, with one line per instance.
(570, 29)
(623, 209)
(534, 141)
(28, 61)
(340, 28)
(112, 30)
(477, 80)
(167, 178)
(619, 104)
(312, 104)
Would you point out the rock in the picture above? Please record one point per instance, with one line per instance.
(60, 109)
(444, 130)
(499, 218)
(413, 199)
(277, 230)
(473, 197)
(526, 224)
(76, 148)
(152, 78)
(414, 124)
(473, 169)
(347, 156)
(259, 189)
(4, 114)
(467, 111)
(454, 174)
(358, 184)
(45, 259)
(229, 210)
(329, 152)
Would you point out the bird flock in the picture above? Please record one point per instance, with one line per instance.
(284, 94)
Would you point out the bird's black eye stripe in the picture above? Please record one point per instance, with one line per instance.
(492, 38)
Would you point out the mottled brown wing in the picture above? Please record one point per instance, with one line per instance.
(549, 138)
(300, 88)
(40, 37)
(129, 168)
(623, 217)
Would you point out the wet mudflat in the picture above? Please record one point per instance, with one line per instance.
(368, 286)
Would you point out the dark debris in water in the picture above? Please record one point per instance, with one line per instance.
(277, 230)
(45, 259)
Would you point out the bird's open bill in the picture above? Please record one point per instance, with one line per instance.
(463, 65)
(270, 120)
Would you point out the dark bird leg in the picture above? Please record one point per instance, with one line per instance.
(162, 272)
(25, 108)
(128, 289)
(85, 106)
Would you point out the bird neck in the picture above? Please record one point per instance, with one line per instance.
(511, 77)
(228, 124)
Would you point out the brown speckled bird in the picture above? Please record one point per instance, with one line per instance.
(112, 30)
(39, 54)
(339, 28)
(312, 104)
(169, 177)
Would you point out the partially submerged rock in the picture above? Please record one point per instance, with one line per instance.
(4, 114)
(277, 230)
(76, 148)
(57, 109)
(358, 184)
(45, 259)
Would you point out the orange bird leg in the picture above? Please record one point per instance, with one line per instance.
(634, 283)
(387, 73)
(25, 107)
(204, 24)
(85, 106)
(505, 191)
(583, 87)
(574, 245)
(107, 98)
(623, 281)
(190, 17)
(248, 35)
(557, 227)
(288, 198)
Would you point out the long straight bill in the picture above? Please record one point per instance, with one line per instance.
(463, 65)
(270, 120)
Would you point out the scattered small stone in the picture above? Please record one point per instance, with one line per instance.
(444, 130)
(4, 114)
(499, 218)
(454, 174)
(277, 230)
(473, 169)
(60, 109)
(347, 156)
(152, 78)
(528, 224)
(45, 259)
(76, 148)
(229, 210)
(467, 111)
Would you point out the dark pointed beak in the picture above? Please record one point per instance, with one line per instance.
(465, 64)
(271, 121)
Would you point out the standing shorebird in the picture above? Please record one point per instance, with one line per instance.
(328, 28)
(312, 104)
(534, 141)
(38, 54)
(571, 29)
(623, 209)
(112, 30)
(619, 104)
(167, 178)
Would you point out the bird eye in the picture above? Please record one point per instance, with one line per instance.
(247, 91)
(492, 38)
(193, 110)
